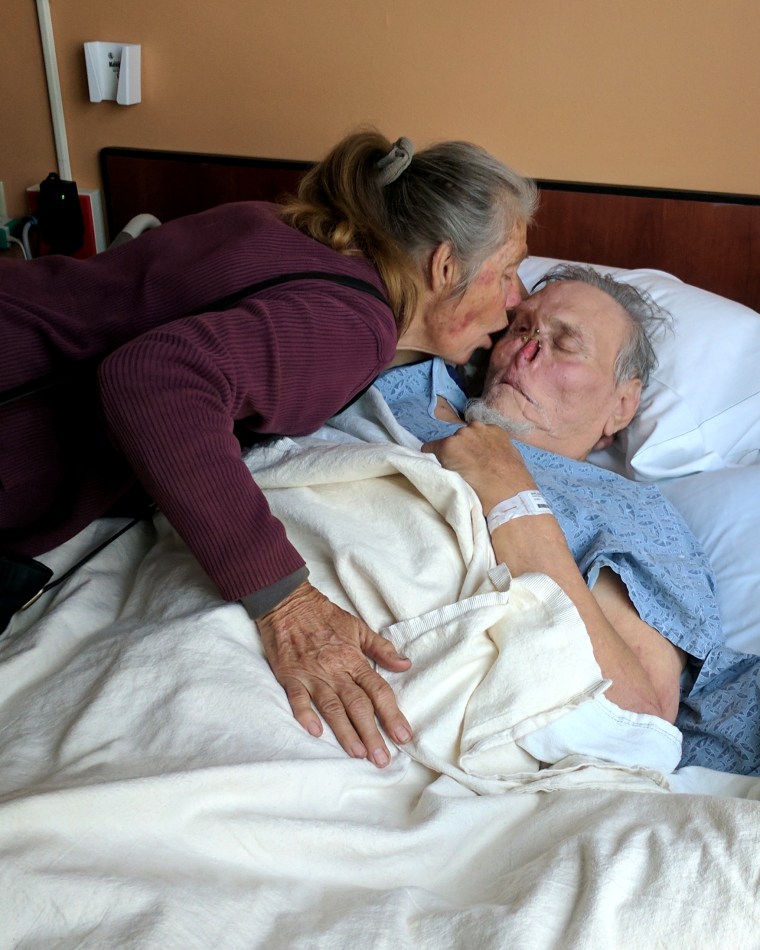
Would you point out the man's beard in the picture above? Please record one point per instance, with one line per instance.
(478, 410)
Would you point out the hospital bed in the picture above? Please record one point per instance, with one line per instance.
(155, 790)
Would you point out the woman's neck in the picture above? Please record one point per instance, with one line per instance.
(403, 357)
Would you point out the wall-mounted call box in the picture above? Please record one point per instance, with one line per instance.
(113, 71)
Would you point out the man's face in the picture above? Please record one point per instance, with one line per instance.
(554, 370)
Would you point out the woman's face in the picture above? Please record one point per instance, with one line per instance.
(453, 327)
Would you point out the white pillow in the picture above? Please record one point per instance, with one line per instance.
(701, 409)
(721, 508)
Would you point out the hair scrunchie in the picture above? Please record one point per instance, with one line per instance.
(395, 162)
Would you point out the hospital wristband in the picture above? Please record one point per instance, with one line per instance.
(523, 503)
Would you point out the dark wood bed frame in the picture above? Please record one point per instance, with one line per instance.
(709, 240)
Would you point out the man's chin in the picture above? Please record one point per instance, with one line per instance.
(478, 410)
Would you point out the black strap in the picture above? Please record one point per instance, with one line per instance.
(23, 580)
(42, 383)
(224, 303)
(50, 380)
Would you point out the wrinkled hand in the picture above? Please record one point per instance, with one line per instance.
(486, 458)
(318, 653)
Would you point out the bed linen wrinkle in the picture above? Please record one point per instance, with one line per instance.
(539, 872)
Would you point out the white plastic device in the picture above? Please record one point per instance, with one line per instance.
(113, 71)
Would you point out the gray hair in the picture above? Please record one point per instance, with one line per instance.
(637, 359)
(457, 192)
(396, 206)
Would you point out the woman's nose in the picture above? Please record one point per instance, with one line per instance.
(514, 298)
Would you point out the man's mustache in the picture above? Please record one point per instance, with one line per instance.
(477, 410)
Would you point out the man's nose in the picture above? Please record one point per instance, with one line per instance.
(531, 341)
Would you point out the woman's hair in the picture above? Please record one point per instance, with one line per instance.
(453, 192)
(637, 359)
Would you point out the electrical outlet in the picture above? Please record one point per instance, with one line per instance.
(3, 206)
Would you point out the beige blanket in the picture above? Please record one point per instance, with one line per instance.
(402, 542)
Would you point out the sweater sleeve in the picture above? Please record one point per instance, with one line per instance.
(284, 361)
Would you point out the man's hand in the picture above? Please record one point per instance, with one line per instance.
(318, 653)
(486, 459)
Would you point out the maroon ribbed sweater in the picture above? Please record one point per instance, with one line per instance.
(284, 361)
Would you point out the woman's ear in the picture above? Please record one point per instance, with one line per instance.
(444, 270)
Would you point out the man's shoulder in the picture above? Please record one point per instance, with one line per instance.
(585, 480)
(584, 470)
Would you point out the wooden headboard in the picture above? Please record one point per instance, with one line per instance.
(709, 240)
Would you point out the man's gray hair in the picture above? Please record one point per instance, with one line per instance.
(637, 359)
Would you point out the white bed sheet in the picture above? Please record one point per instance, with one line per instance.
(156, 792)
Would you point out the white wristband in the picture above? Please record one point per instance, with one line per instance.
(524, 503)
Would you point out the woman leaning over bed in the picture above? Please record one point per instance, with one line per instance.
(402, 254)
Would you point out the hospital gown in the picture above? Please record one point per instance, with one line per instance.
(610, 521)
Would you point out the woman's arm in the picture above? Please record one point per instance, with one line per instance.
(643, 666)
(170, 398)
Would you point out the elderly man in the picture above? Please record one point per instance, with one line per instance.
(564, 379)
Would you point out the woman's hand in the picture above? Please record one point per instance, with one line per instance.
(486, 459)
(318, 653)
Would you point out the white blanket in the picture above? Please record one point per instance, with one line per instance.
(403, 544)
(155, 790)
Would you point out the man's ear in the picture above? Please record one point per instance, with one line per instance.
(444, 270)
(628, 397)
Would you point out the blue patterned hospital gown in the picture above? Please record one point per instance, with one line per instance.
(610, 521)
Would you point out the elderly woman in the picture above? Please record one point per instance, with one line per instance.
(233, 325)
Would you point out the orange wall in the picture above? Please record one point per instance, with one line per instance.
(644, 92)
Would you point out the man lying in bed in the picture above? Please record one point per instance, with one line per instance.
(566, 377)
